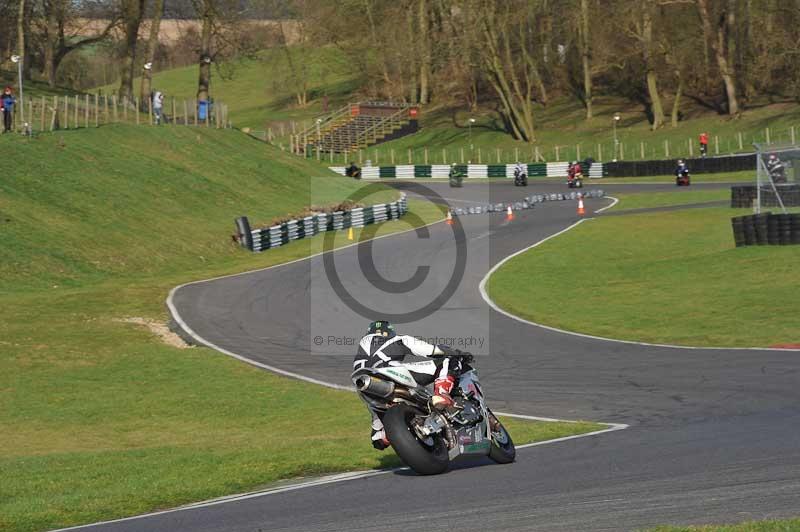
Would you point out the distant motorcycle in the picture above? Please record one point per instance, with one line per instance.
(682, 178)
(575, 181)
(520, 179)
(427, 439)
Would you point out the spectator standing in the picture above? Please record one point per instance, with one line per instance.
(703, 144)
(7, 104)
(158, 105)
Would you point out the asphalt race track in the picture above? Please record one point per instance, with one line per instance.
(714, 434)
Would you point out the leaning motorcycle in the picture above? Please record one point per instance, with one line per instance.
(520, 179)
(425, 439)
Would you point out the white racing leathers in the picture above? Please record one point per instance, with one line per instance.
(375, 350)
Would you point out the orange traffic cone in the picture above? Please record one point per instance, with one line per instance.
(509, 214)
(449, 219)
(581, 210)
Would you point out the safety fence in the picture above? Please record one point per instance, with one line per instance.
(51, 113)
(278, 235)
(479, 171)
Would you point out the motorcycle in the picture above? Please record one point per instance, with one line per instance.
(575, 181)
(520, 179)
(425, 439)
(683, 179)
(777, 172)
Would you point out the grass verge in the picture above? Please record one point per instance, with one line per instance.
(670, 277)
(99, 418)
(680, 196)
(788, 525)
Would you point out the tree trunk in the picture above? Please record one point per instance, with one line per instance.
(652, 78)
(204, 81)
(21, 32)
(586, 57)
(425, 55)
(413, 72)
(132, 12)
(51, 42)
(676, 105)
(152, 46)
(719, 45)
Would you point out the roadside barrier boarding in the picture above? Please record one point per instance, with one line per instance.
(468, 170)
(278, 235)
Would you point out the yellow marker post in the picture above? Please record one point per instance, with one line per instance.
(350, 234)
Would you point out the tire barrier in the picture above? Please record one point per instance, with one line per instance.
(472, 171)
(709, 165)
(278, 235)
(525, 203)
(742, 196)
(766, 229)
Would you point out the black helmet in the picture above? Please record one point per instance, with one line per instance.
(381, 327)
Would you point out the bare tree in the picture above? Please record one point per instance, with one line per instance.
(721, 41)
(132, 14)
(207, 15)
(584, 38)
(57, 43)
(152, 46)
(502, 43)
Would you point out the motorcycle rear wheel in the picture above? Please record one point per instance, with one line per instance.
(502, 450)
(424, 459)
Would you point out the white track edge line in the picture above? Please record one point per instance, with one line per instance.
(334, 479)
(491, 303)
(616, 200)
(177, 317)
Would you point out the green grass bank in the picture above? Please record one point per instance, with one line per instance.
(99, 416)
(788, 525)
(670, 277)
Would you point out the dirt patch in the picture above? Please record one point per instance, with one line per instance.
(159, 329)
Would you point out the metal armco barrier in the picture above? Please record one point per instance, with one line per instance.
(278, 235)
(471, 171)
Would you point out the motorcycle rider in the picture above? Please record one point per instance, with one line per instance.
(381, 346)
(681, 169)
(775, 168)
(519, 169)
(353, 171)
(574, 171)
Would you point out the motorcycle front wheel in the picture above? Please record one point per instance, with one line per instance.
(502, 450)
(425, 457)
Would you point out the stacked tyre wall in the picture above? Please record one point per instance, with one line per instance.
(278, 235)
(478, 171)
(766, 229)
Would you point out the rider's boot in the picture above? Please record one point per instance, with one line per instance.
(441, 392)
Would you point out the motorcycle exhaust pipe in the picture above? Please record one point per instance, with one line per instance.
(372, 386)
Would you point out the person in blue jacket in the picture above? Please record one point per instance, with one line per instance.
(7, 103)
